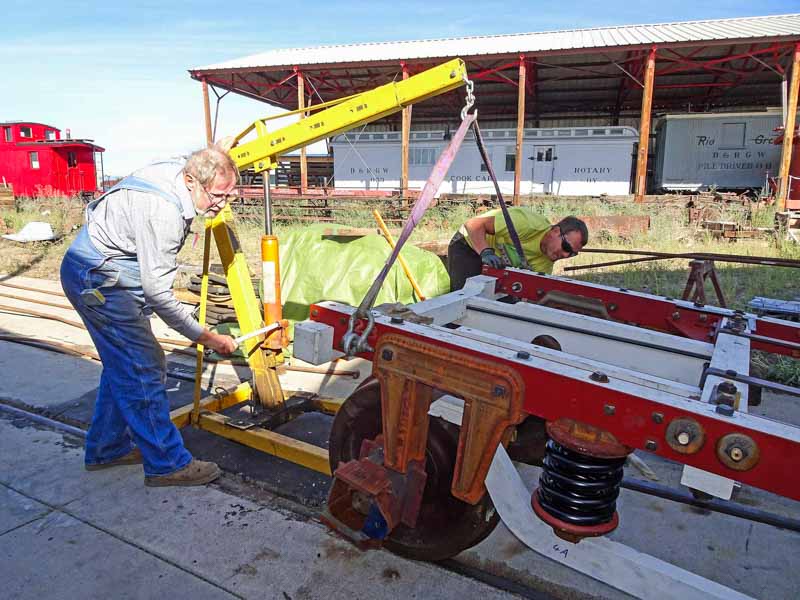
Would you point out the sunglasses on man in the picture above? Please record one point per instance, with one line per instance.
(566, 246)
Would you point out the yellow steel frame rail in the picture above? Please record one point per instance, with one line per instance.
(262, 154)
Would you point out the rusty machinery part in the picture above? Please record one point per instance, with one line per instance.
(411, 371)
(368, 501)
(546, 341)
(445, 525)
(759, 370)
(685, 435)
(738, 451)
(581, 305)
(527, 444)
(580, 481)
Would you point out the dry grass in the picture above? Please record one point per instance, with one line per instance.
(669, 232)
(39, 259)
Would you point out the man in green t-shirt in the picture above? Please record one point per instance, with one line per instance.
(484, 240)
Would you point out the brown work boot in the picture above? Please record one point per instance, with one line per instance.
(197, 472)
(134, 457)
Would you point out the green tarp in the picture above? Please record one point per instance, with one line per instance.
(317, 267)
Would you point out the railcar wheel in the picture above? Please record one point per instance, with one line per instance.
(446, 525)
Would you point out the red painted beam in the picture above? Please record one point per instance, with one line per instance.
(552, 396)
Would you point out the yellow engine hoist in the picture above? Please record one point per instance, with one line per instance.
(264, 352)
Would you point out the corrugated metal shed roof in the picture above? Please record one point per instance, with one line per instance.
(744, 28)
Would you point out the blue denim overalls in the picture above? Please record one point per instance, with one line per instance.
(131, 404)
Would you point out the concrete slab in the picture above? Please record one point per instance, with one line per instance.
(51, 379)
(17, 510)
(120, 539)
(60, 557)
(41, 475)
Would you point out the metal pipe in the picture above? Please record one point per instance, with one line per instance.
(759, 260)
(37, 418)
(715, 505)
(767, 340)
(749, 380)
(613, 263)
(267, 204)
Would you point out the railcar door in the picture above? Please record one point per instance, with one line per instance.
(542, 175)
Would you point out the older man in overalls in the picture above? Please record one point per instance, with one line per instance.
(117, 272)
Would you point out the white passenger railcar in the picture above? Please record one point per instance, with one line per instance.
(589, 161)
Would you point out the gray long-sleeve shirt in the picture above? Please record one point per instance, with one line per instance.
(129, 224)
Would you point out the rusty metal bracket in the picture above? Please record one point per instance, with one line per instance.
(409, 370)
(384, 487)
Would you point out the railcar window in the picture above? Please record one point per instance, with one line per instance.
(733, 135)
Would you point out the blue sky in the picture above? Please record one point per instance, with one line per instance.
(117, 72)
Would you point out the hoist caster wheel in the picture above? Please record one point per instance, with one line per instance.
(446, 525)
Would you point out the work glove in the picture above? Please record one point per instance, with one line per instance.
(490, 259)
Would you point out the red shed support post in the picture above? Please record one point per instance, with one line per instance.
(404, 141)
(301, 104)
(788, 131)
(207, 112)
(520, 127)
(644, 126)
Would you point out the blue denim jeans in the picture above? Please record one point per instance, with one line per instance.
(131, 405)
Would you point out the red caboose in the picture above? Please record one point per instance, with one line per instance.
(37, 162)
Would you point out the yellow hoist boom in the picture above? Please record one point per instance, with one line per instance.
(344, 114)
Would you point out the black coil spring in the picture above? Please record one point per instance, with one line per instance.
(579, 489)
